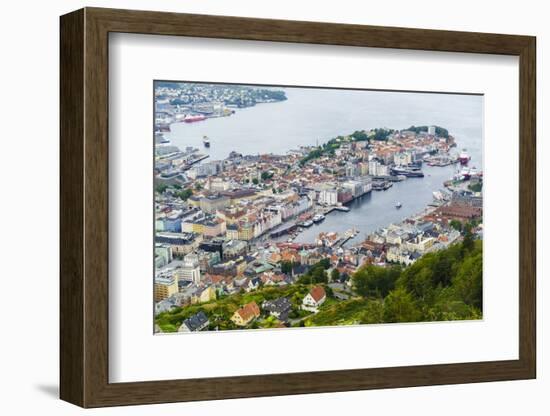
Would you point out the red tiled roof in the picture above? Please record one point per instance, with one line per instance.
(317, 293)
(249, 311)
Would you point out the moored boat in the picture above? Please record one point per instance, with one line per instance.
(193, 118)
(464, 157)
(318, 218)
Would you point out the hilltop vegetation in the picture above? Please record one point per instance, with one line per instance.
(441, 286)
(220, 311)
(330, 146)
(439, 131)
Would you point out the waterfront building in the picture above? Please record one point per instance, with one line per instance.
(460, 212)
(373, 167)
(344, 196)
(431, 130)
(467, 199)
(328, 196)
(166, 284)
(358, 187)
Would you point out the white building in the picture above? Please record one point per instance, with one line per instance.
(358, 187)
(190, 269)
(431, 130)
(315, 298)
(382, 170)
(328, 196)
(373, 167)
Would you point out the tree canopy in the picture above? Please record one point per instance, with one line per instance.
(445, 285)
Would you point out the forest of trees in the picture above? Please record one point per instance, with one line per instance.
(445, 285)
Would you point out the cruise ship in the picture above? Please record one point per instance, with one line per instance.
(193, 118)
(464, 157)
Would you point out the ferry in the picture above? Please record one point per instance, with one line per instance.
(398, 205)
(408, 172)
(206, 141)
(318, 218)
(464, 157)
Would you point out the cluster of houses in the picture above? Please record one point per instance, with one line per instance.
(279, 308)
(221, 268)
(406, 242)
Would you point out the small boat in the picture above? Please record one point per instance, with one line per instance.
(342, 208)
(318, 218)
(398, 205)
(308, 223)
(206, 141)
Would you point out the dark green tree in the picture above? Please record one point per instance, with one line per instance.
(399, 306)
(468, 281)
(286, 267)
(161, 187)
(457, 225)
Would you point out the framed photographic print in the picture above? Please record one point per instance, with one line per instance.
(260, 207)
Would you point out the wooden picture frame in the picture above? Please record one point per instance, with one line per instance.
(84, 207)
